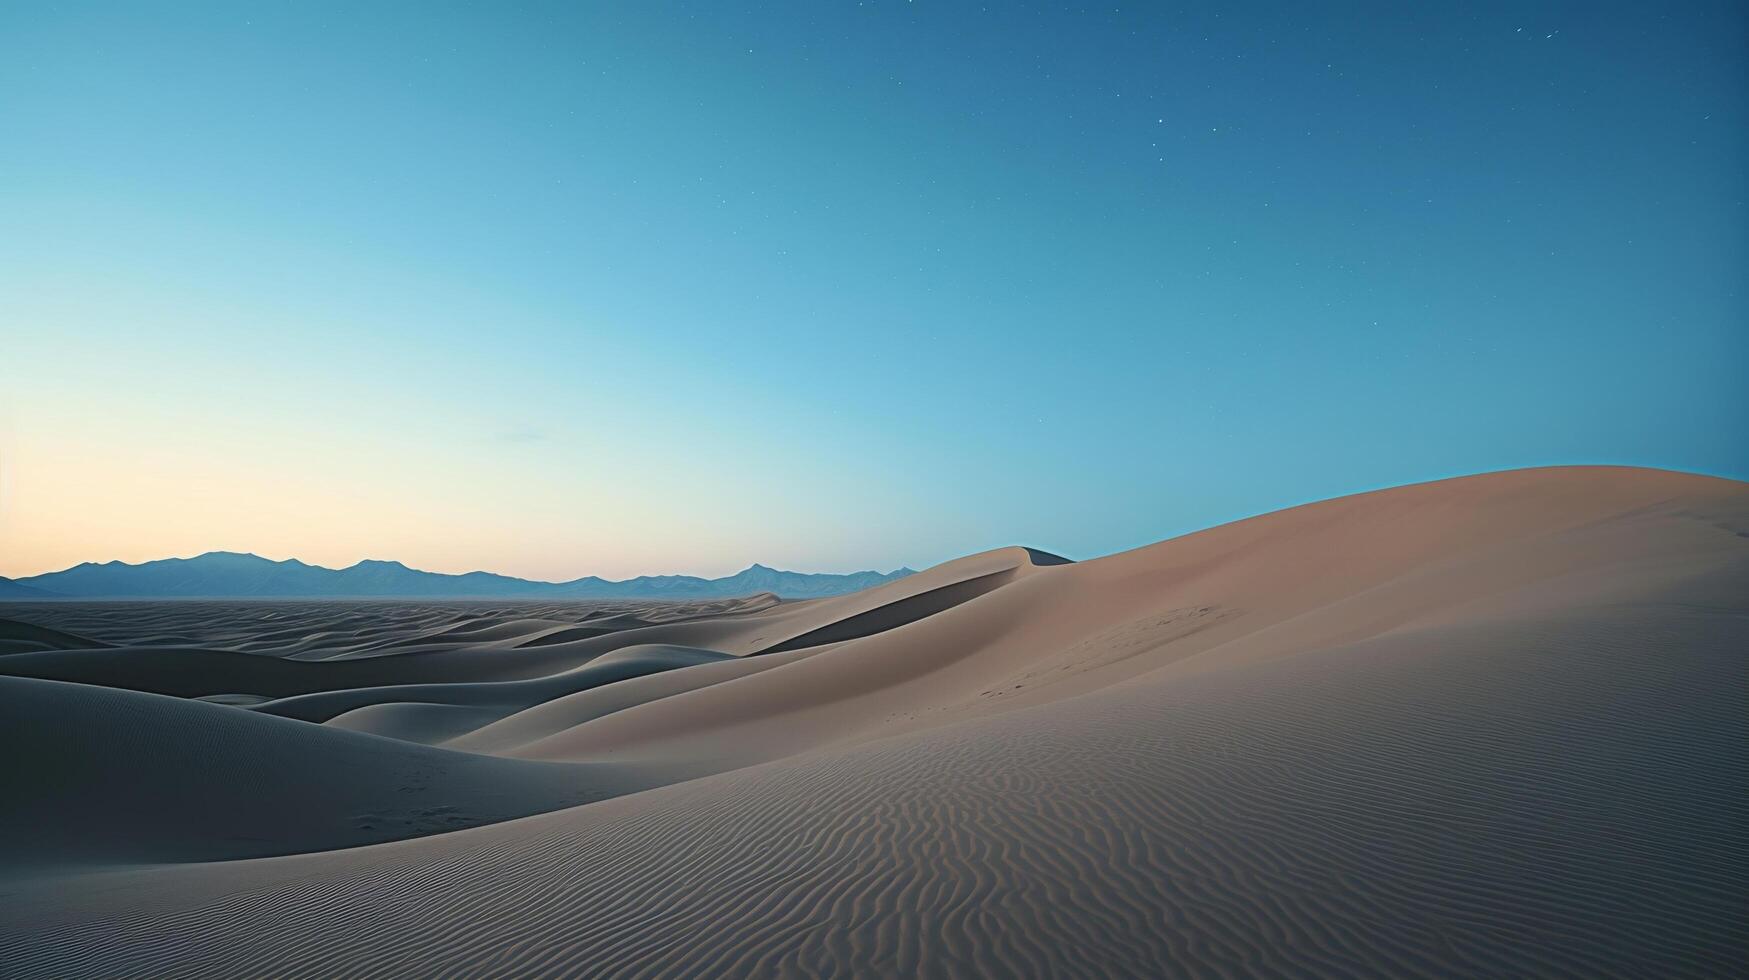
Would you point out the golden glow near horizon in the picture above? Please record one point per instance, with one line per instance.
(354, 440)
(138, 481)
(137, 501)
(142, 502)
(133, 430)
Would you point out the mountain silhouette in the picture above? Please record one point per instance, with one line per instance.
(14, 590)
(227, 574)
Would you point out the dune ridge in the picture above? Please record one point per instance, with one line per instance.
(1490, 725)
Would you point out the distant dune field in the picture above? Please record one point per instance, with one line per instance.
(1496, 726)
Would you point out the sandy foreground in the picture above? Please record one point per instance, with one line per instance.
(1496, 726)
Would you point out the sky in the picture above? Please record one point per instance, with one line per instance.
(677, 287)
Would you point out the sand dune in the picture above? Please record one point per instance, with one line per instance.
(101, 777)
(1485, 726)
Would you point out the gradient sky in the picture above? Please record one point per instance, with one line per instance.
(679, 287)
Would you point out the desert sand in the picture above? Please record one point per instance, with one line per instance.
(1496, 725)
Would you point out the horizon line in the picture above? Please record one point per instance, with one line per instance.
(221, 552)
(1178, 533)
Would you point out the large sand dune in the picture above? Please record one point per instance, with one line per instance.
(1493, 726)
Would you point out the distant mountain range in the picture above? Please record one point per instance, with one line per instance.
(226, 574)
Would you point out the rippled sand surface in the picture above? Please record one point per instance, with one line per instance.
(1489, 726)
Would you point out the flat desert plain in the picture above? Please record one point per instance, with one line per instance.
(1496, 725)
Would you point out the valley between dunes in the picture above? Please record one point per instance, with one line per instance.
(1496, 725)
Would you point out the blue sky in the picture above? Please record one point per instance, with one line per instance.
(678, 287)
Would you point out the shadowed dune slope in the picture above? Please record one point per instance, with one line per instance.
(105, 777)
(1486, 726)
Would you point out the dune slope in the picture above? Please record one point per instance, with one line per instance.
(102, 778)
